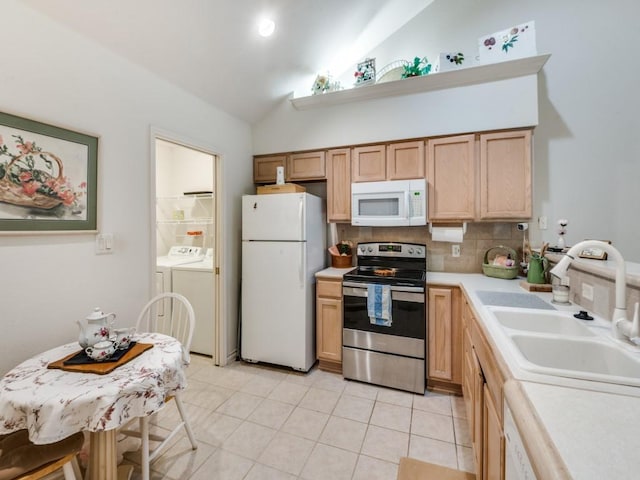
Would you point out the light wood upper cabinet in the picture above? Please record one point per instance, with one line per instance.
(475, 177)
(339, 185)
(369, 164)
(445, 339)
(505, 175)
(405, 160)
(264, 167)
(306, 166)
(329, 324)
(451, 174)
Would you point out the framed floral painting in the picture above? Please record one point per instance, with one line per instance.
(48, 177)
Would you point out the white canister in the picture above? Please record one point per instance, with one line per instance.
(280, 175)
(560, 294)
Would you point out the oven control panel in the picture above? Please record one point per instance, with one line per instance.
(392, 249)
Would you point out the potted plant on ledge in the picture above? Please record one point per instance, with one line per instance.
(419, 67)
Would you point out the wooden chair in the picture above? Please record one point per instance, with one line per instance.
(170, 314)
(22, 460)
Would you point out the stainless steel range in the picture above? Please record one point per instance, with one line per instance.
(389, 352)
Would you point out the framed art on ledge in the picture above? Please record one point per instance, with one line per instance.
(595, 253)
(48, 177)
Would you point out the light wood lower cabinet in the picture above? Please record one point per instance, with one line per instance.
(445, 339)
(329, 324)
(482, 390)
(493, 438)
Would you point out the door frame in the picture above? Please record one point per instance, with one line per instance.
(156, 133)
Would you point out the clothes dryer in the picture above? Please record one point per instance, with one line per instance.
(195, 282)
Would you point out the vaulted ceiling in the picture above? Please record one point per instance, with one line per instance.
(211, 48)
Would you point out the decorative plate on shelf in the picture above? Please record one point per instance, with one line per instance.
(391, 72)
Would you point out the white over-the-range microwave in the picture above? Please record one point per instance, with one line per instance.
(392, 203)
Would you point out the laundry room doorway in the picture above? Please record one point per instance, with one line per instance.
(186, 233)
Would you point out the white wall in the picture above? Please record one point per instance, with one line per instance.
(47, 282)
(586, 147)
(180, 169)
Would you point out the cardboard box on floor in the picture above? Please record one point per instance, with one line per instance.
(412, 469)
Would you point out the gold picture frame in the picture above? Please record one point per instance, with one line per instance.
(595, 253)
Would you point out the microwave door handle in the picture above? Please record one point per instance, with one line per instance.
(407, 202)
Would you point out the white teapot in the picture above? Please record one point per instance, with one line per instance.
(96, 329)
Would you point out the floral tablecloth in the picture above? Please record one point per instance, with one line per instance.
(53, 404)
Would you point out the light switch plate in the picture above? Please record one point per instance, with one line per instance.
(455, 250)
(104, 243)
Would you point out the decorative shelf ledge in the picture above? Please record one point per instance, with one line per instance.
(186, 221)
(435, 81)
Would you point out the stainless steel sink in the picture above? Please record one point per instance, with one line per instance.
(542, 322)
(578, 357)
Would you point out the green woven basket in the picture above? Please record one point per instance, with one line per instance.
(498, 271)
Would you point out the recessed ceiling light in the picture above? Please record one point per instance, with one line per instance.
(266, 27)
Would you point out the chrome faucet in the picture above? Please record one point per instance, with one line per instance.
(621, 327)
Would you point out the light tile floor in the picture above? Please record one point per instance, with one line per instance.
(255, 422)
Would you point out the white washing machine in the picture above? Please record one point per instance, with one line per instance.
(195, 281)
(178, 255)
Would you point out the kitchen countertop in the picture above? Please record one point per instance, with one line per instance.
(593, 428)
(333, 273)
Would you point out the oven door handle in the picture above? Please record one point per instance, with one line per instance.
(394, 288)
(397, 295)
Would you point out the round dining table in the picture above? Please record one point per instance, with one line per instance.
(55, 403)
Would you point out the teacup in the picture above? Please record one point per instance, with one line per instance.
(101, 350)
(123, 337)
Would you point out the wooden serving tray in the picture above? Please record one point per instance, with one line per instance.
(535, 287)
(285, 188)
(101, 368)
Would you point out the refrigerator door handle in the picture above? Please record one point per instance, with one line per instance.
(301, 265)
(300, 217)
(301, 268)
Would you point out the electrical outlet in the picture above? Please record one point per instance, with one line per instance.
(542, 223)
(587, 291)
(455, 250)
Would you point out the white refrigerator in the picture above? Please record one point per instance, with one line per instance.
(283, 246)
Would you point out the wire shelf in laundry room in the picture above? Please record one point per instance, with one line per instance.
(185, 220)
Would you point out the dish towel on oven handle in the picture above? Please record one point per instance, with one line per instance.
(379, 304)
